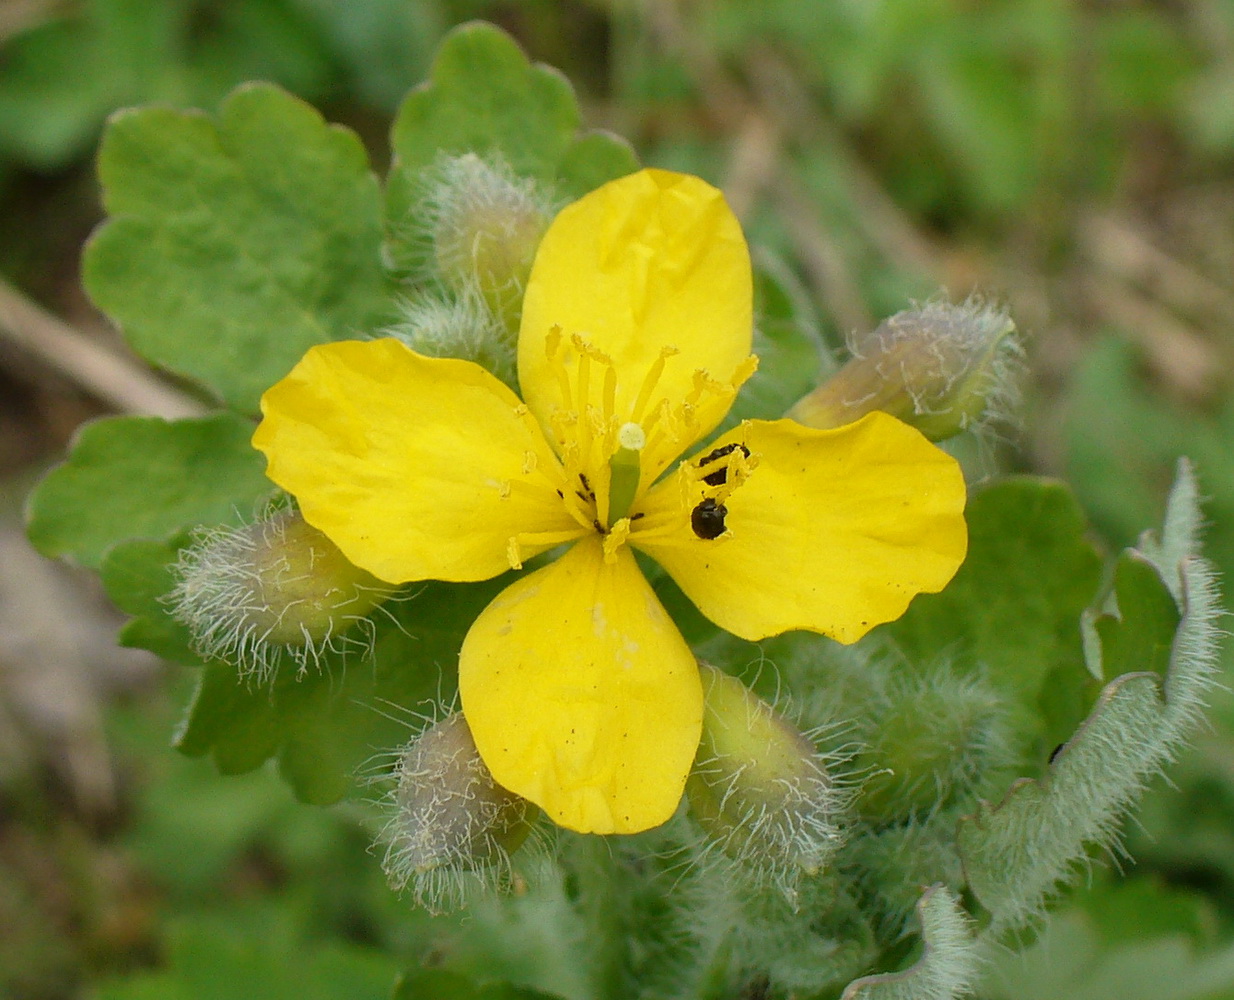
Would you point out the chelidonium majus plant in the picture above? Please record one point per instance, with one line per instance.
(727, 658)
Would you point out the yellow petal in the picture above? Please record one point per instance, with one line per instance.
(417, 468)
(582, 695)
(835, 531)
(650, 261)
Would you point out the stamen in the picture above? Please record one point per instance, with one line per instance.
(552, 347)
(580, 508)
(584, 375)
(539, 540)
(610, 392)
(508, 487)
(742, 373)
(698, 481)
(704, 383)
(656, 426)
(650, 381)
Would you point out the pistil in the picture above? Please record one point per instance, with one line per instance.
(625, 470)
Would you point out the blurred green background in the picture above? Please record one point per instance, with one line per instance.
(1071, 158)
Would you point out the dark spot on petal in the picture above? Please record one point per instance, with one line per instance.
(707, 519)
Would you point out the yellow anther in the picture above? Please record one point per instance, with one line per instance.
(585, 349)
(615, 539)
(514, 554)
(552, 342)
(530, 462)
(703, 384)
(743, 371)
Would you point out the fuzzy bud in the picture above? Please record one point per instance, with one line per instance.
(942, 368)
(485, 225)
(278, 587)
(936, 738)
(759, 787)
(448, 816)
(462, 326)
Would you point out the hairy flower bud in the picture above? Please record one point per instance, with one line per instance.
(485, 224)
(759, 787)
(456, 326)
(942, 368)
(278, 587)
(935, 737)
(449, 817)
(468, 251)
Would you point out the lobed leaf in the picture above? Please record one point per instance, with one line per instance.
(137, 575)
(484, 96)
(235, 245)
(144, 477)
(1014, 853)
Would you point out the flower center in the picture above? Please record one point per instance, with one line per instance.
(603, 452)
(612, 444)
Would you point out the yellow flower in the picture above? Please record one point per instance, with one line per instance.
(580, 692)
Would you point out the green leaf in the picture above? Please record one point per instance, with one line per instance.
(594, 158)
(237, 722)
(1139, 636)
(441, 984)
(136, 576)
(1013, 609)
(948, 961)
(485, 96)
(1015, 852)
(210, 960)
(1179, 537)
(326, 723)
(234, 246)
(143, 477)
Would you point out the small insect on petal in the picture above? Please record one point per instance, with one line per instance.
(707, 519)
(720, 476)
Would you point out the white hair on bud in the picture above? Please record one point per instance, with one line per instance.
(248, 601)
(789, 829)
(457, 191)
(451, 829)
(957, 342)
(441, 324)
(466, 252)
